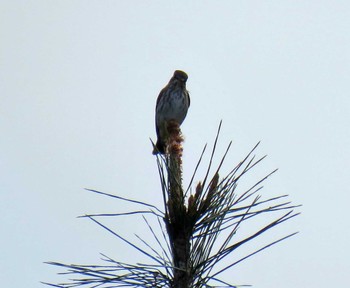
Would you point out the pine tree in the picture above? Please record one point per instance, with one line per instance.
(198, 230)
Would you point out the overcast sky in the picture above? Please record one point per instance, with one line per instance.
(78, 85)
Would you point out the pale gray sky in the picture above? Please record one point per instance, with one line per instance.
(78, 85)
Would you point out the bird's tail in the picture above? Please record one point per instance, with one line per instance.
(159, 148)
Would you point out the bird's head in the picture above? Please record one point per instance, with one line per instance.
(180, 76)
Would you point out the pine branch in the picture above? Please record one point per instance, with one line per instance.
(195, 232)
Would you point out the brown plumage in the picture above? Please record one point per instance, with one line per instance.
(172, 104)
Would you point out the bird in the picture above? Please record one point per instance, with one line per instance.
(172, 104)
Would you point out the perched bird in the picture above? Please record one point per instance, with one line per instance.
(172, 104)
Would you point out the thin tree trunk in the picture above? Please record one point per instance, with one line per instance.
(178, 225)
